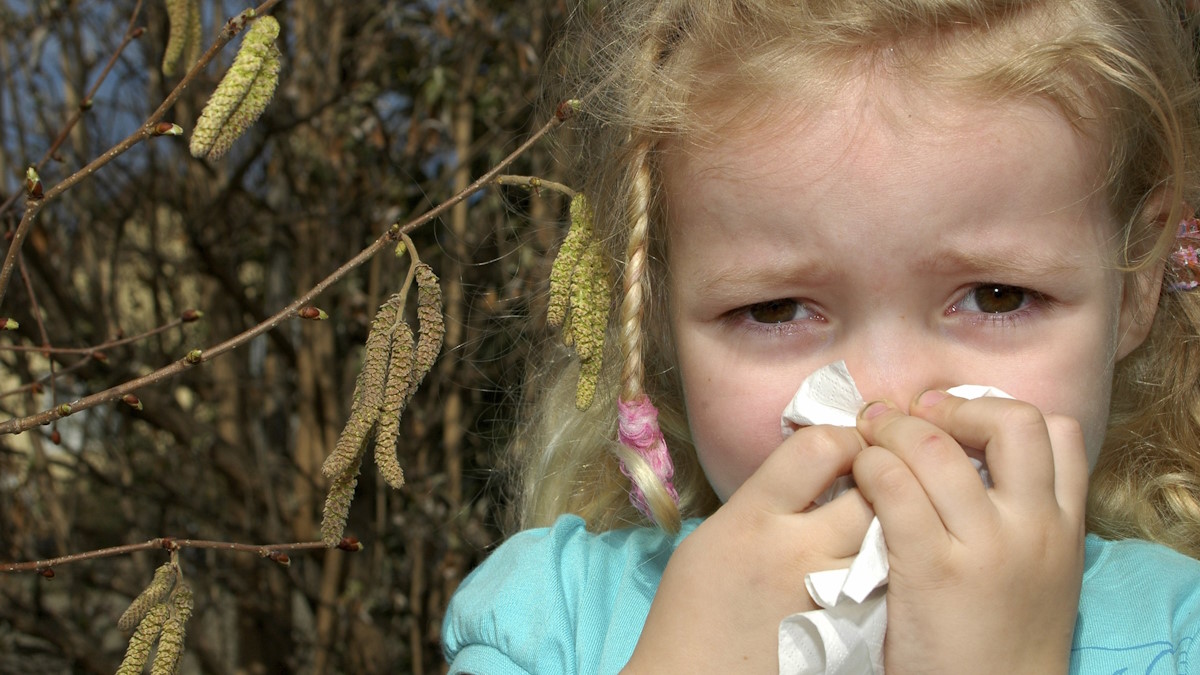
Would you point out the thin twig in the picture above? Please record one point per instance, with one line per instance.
(36, 310)
(95, 348)
(534, 183)
(36, 386)
(166, 543)
(199, 356)
(131, 34)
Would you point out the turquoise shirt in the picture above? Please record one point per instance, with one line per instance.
(563, 600)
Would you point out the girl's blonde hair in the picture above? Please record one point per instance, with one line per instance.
(1122, 71)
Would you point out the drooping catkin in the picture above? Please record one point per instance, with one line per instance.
(566, 262)
(160, 586)
(368, 394)
(337, 504)
(243, 93)
(590, 302)
(195, 37)
(142, 640)
(431, 326)
(399, 379)
(179, 16)
(394, 365)
(351, 444)
(170, 642)
(580, 298)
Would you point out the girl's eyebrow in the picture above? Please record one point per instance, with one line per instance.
(1024, 260)
(768, 273)
(1008, 260)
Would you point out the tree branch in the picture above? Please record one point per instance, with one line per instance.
(197, 357)
(272, 551)
(34, 205)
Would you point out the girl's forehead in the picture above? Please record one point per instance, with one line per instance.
(865, 109)
(742, 80)
(912, 98)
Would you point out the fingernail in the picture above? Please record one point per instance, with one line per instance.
(931, 397)
(874, 409)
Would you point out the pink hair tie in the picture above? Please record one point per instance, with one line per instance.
(1187, 266)
(638, 430)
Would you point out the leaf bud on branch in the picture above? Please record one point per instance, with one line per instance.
(167, 129)
(33, 184)
(567, 108)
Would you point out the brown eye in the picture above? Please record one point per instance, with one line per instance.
(998, 299)
(774, 311)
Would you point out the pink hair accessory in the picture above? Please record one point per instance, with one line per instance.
(638, 430)
(1187, 239)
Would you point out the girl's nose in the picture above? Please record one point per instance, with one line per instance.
(897, 367)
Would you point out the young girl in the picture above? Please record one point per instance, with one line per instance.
(938, 192)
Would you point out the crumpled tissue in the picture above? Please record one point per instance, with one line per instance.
(845, 636)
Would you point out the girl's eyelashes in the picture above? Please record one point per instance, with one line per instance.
(989, 301)
(777, 314)
(997, 301)
(774, 311)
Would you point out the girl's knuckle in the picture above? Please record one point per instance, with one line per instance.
(1022, 416)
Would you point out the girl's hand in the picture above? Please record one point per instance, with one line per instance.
(982, 579)
(731, 581)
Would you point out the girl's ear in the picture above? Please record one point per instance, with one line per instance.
(1141, 289)
(1139, 303)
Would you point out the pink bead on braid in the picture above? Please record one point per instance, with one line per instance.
(638, 431)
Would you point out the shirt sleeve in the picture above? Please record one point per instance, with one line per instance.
(557, 600)
(514, 613)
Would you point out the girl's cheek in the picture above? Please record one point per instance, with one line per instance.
(731, 454)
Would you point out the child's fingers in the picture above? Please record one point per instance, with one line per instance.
(800, 469)
(841, 525)
(904, 510)
(1012, 435)
(1070, 464)
(936, 460)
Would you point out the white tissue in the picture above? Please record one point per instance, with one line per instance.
(845, 636)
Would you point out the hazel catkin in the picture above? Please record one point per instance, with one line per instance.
(337, 504)
(431, 326)
(368, 394)
(160, 586)
(142, 640)
(243, 93)
(400, 372)
(170, 641)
